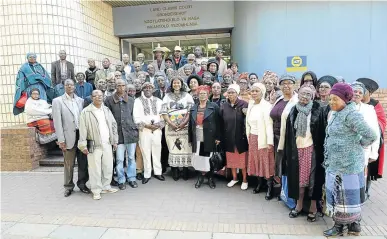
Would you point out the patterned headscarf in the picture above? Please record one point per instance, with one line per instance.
(31, 54)
(228, 72)
(270, 76)
(206, 88)
(244, 75)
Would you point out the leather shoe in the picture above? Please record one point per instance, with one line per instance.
(139, 176)
(85, 190)
(133, 184)
(68, 192)
(114, 183)
(122, 186)
(145, 180)
(160, 177)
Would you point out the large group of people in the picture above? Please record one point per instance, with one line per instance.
(124, 124)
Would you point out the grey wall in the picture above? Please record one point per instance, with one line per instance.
(131, 21)
(339, 38)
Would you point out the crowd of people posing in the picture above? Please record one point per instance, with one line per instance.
(324, 137)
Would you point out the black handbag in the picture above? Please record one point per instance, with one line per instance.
(218, 159)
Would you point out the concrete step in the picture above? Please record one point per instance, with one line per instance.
(52, 161)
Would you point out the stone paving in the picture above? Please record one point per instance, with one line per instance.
(32, 205)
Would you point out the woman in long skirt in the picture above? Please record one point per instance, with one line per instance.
(347, 134)
(259, 130)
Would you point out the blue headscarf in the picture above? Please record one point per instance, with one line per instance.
(31, 54)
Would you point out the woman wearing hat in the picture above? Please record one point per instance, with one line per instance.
(234, 134)
(279, 115)
(324, 86)
(204, 134)
(193, 82)
(368, 111)
(175, 110)
(347, 134)
(259, 130)
(270, 80)
(159, 63)
(375, 168)
(304, 152)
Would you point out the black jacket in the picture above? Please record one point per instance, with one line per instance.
(317, 177)
(211, 127)
(123, 114)
(233, 126)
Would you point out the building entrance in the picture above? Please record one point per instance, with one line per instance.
(208, 42)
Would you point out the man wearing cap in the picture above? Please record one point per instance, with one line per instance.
(222, 63)
(140, 58)
(375, 168)
(121, 106)
(150, 123)
(159, 62)
(178, 60)
(82, 89)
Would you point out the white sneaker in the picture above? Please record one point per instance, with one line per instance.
(97, 196)
(110, 190)
(232, 183)
(244, 186)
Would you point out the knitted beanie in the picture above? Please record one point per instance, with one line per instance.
(343, 90)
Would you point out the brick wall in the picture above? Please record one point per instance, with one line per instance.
(19, 150)
(381, 96)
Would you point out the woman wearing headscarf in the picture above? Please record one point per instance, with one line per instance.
(253, 78)
(304, 152)
(216, 94)
(270, 80)
(324, 86)
(259, 130)
(279, 115)
(309, 78)
(243, 83)
(38, 113)
(193, 82)
(204, 134)
(175, 110)
(234, 140)
(375, 168)
(31, 75)
(371, 152)
(346, 136)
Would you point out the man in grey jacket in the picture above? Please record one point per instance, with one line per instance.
(65, 111)
(61, 69)
(97, 135)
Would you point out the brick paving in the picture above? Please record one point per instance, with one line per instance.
(35, 200)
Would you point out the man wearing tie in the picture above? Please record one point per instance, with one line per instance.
(66, 110)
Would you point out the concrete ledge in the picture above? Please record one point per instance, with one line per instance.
(19, 149)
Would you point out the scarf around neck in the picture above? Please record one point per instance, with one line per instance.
(302, 119)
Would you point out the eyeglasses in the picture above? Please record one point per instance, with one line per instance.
(97, 96)
(324, 87)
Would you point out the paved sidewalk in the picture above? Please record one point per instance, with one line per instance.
(33, 202)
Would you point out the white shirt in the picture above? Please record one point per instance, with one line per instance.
(102, 125)
(140, 115)
(72, 103)
(128, 69)
(152, 79)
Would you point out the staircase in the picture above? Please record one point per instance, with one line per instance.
(54, 158)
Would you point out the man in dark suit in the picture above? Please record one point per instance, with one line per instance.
(62, 69)
(66, 111)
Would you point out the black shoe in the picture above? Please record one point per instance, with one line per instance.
(211, 181)
(200, 181)
(145, 180)
(336, 230)
(258, 188)
(160, 177)
(185, 173)
(133, 184)
(269, 193)
(139, 176)
(122, 186)
(354, 229)
(68, 192)
(175, 173)
(85, 190)
(164, 170)
(114, 183)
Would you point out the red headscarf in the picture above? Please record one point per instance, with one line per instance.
(206, 88)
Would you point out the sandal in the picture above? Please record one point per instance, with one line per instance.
(311, 217)
(294, 213)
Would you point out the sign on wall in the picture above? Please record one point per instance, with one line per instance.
(296, 64)
(172, 17)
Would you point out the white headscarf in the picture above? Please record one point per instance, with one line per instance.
(234, 87)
